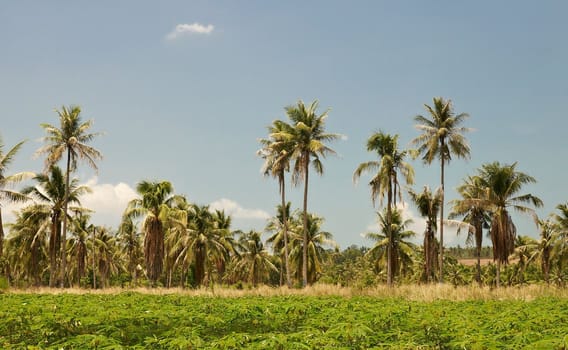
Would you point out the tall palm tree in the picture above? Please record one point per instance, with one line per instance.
(385, 181)
(6, 194)
(428, 205)
(277, 152)
(70, 140)
(50, 194)
(502, 185)
(393, 234)
(156, 206)
(442, 137)
(254, 260)
(309, 139)
(318, 240)
(472, 213)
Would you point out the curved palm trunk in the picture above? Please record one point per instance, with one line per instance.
(64, 231)
(441, 277)
(305, 246)
(285, 223)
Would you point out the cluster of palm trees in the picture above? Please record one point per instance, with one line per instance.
(166, 240)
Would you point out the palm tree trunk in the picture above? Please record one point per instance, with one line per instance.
(1, 235)
(441, 277)
(53, 250)
(478, 243)
(389, 236)
(94, 261)
(285, 223)
(64, 232)
(498, 274)
(305, 246)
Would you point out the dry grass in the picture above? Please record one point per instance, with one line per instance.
(407, 292)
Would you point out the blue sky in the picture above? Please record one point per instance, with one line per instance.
(189, 105)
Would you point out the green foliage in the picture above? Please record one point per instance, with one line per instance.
(137, 321)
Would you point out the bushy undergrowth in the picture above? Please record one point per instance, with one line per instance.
(132, 320)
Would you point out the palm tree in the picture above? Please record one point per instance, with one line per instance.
(276, 152)
(473, 214)
(442, 137)
(129, 238)
(7, 195)
(560, 249)
(308, 137)
(50, 194)
(317, 241)
(428, 205)
(80, 229)
(70, 139)
(385, 181)
(204, 241)
(393, 234)
(278, 225)
(155, 205)
(254, 261)
(27, 242)
(502, 184)
(107, 258)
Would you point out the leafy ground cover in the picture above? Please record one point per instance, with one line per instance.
(132, 320)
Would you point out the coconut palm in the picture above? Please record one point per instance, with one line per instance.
(130, 242)
(6, 194)
(107, 257)
(254, 260)
(28, 243)
(502, 184)
(442, 137)
(560, 238)
(204, 240)
(309, 144)
(80, 230)
(472, 213)
(50, 193)
(385, 181)
(428, 205)
(70, 140)
(277, 152)
(318, 240)
(278, 226)
(155, 206)
(393, 234)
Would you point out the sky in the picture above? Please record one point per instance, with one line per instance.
(183, 90)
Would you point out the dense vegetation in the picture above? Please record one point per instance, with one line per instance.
(165, 240)
(138, 321)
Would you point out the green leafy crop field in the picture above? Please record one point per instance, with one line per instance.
(140, 321)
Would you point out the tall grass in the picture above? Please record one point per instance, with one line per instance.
(407, 292)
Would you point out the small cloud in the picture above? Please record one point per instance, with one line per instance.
(237, 211)
(108, 201)
(186, 29)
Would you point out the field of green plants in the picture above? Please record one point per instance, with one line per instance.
(132, 320)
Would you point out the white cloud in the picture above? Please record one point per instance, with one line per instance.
(108, 201)
(237, 211)
(186, 29)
